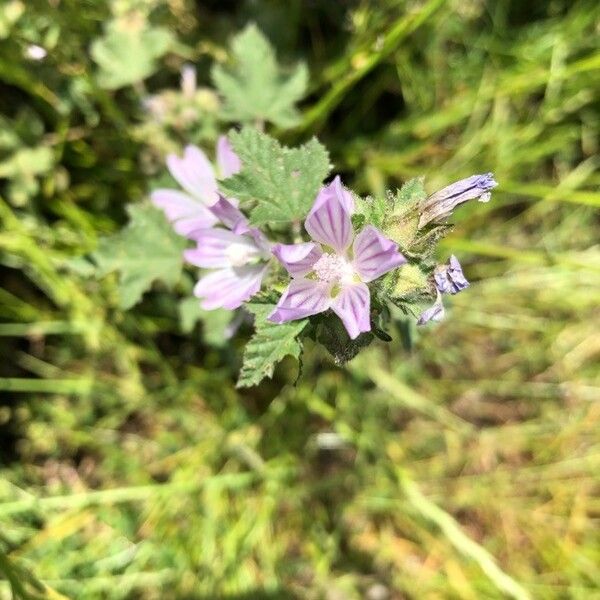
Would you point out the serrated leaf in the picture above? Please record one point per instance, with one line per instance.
(270, 344)
(279, 183)
(254, 88)
(128, 51)
(145, 251)
(214, 322)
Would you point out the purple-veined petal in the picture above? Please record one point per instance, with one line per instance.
(219, 248)
(374, 254)
(230, 287)
(183, 211)
(449, 278)
(298, 259)
(195, 174)
(352, 305)
(302, 298)
(229, 214)
(440, 204)
(228, 162)
(435, 312)
(328, 221)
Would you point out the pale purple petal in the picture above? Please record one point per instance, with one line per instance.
(186, 214)
(328, 221)
(261, 242)
(227, 212)
(440, 204)
(352, 306)
(195, 174)
(219, 248)
(374, 254)
(228, 161)
(298, 259)
(435, 312)
(449, 278)
(230, 287)
(302, 298)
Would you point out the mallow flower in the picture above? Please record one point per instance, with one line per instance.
(332, 271)
(440, 204)
(449, 279)
(237, 253)
(189, 210)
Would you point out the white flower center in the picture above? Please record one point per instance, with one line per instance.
(333, 268)
(240, 254)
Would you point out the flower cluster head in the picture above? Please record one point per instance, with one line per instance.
(333, 270)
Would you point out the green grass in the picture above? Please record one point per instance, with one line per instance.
(466, 466)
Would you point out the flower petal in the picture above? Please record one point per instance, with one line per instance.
(352, 306)
(183, 211)
(302, 298)
(228, 213)
(228, 161)
(298, 259)
(443, 202)
(435, 312)
(221, 248)
(374, 254)
(328, 221)
(230, 287)
(449, 278)
(195, 174)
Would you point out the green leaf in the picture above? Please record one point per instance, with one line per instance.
(144, 251)
(279, 183)
(214, 322)
(269, 344)
(128, 51)
(254, 88)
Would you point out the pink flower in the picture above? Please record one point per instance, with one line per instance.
(332, 271)
(237, 253)
(189, 210)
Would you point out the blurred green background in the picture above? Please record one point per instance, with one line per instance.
(464, 464)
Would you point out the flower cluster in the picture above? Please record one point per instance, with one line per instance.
(333, 271)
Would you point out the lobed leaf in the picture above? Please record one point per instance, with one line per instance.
(127, 52)
(270, 344)
(279, 183)
(254, 88)
(145, 251)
